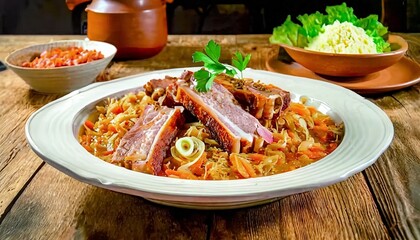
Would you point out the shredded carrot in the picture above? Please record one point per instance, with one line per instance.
(58, 57)
(312, 109)
(321, 131)
(331, 147)
(106, 153)
(256, 157)
(112, 128)
(197, 168)
(180, 174)
(117, 109)
(242, 166)
(248, 167)
(89, 124)
(315, 153)
(299, 109)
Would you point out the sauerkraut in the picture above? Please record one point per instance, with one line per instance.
(302, 135)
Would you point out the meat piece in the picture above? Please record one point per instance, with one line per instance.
(164, 90)
(187, 76)
(217, 109)
(156, 84)
(143, 148)
(264, 101)
(157, 89)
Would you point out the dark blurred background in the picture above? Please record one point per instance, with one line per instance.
(203, 16)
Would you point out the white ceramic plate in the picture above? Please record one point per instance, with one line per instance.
(52, 133)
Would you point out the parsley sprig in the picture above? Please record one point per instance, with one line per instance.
(212, 66)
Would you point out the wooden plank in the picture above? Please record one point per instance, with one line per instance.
(69, 209)
(17, 162)
(342, 211)
(395, 179)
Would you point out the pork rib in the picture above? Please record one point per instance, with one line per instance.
(158, 90)
(144, 147)
(217, 109)
(264, 101)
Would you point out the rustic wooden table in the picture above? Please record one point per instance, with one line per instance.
(39, 202)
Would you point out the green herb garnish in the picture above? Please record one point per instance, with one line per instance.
(212, 66)
(299, 35)
(240, 62)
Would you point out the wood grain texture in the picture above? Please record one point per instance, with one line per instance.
(336, 212)
(68, 209)
(39, 202)
(17, 162)
(395, 178)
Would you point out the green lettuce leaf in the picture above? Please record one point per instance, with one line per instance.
(289, 33)
(342, 13)
(313, 24)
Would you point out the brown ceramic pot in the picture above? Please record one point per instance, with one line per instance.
(138, 28)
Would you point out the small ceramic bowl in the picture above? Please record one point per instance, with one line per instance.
(60, 79)
(348, 65)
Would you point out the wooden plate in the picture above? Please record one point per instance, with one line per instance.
(403, 74)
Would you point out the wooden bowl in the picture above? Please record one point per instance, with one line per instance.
(60, 79)
(348, 65)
